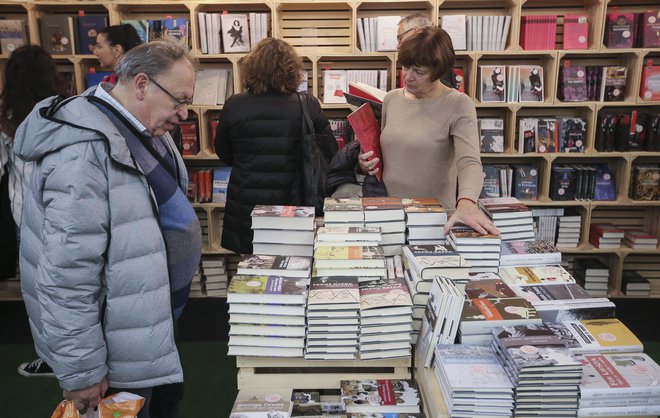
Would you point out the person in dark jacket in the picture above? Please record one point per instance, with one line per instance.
(259, 136)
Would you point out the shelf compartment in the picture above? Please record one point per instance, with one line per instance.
(351, 62)
(506, 115)
(617, 165)
(206, 132)
(577, 111)
(590, 8)
(648, 266)
(316, 28)
(371, 9)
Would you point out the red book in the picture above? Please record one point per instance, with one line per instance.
(649, 29)
(650, 88)
(606, 231)
(366, 91)
(620, 30)
(460, 79)
(367, 131)
(189, 140)
(214, 128)
(193, 182)
(576, 32)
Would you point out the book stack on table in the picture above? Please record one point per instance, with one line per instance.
(283, 230)
(482, 252)
(387, 214)
(510, 216)
(425, 221)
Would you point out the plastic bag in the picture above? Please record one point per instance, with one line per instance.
(118, 405)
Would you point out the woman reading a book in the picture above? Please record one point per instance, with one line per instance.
(259, 136)
(429, 134)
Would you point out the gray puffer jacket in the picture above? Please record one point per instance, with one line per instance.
(93, 263)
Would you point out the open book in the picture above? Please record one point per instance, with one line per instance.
(367, 131)
(360, 93)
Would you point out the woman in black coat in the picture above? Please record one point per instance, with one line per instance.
(259, 136)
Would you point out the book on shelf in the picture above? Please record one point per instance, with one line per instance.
(531, 83)
(649, 29)
(270, 265)
(563, 180)
(141, 26)
(283, 217)
(620, 30)
(525, 181)
(650, 86)
(572, 134)
(576, 31)
(613, 84)
(493, 83)
(189, 137)
(57, 34)
(267, 289)
(12, 35)
(220, 184)
(546, 136)
(335, 84)
(645, 182)
(262, 402)
(86, 28)
(368, 396)
(386, 30)
(235, 32)
(491, 134)
(455, 26)
(367, 131)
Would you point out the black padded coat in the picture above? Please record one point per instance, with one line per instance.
(260, 138)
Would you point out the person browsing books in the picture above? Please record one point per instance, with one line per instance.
(109, 240)
(260, 136)
(112, 43)
(429, 137)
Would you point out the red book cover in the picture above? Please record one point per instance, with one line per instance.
(366, 91)
(214, 128)
(649, 29)
(576, 32)
(206, 179)
(650, 88)
(606, 231)
(193, 182)
(367, 131)
(189, 140)
(460, 79)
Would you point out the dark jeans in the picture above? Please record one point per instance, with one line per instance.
(159, 402)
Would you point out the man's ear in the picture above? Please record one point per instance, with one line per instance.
(140, 83)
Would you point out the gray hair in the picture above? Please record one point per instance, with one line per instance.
(415, 20)
(152, 58)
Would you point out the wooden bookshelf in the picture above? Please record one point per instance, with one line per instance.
(325, 34)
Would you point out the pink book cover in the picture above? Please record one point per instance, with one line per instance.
(650, 88)
(620, 30)
(576, 32)
(649, 29)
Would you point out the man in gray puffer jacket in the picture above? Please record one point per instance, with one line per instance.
(109, 241)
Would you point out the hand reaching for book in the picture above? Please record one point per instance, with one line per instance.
(469, 214)
(368, 165)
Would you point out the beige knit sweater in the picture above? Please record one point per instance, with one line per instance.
(427, 144)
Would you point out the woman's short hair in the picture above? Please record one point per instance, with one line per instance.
(272, 66)
(428, 47)
(125, 35)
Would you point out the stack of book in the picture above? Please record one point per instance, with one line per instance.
(425, 221)
(568, 233)
(639, 239)
(424, 262)
(546, 222)
(347, 236)
(481, 315)
(440, 324)
(343, 211)
(385, 318)
(380, 396)
(634, 284)
(333, 320)
(387, 214)
(592, 274)
(482, 252)
(510, 216)
(484, 391)
(196, 287)
(614, 385)
(270, 318)
(214, 275)
(605, 236)
(545, 373)
(349, 261)
(283, 230)
(529, 253)
(274, 265)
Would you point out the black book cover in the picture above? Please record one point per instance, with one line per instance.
(572, 134)
(606, 131)
(491, 186)
(605, 184)
(526, 181)
(631, 132)
(563, 182)
(653, 133)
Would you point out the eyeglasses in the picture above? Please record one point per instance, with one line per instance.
(400, 36)
(179, 102)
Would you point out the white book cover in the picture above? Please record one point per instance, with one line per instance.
(505, 33)
(235, 32)
(469, 29)
(455, 26)
(214, 35)
(206, 87)
(485, 33)
(472, 368)
(201, 30)
(361, 37)
(224, 75)
(374, 33)
(619, 376)
(334, 86)
(433, 321)
(498, 33)
(478, 33)
(265, 23)
(368, 43)
(252, 17)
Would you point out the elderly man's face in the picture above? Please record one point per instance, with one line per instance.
(402, 32)
(167, 97)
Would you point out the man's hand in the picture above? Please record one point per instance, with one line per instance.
(469, 214)
(88, 397)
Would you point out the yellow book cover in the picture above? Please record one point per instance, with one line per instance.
(611, 332)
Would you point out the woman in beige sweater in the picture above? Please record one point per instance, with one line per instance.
(429, 134)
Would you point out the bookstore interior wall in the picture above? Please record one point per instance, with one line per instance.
(332, 35)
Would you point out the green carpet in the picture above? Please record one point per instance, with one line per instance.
(209, 391)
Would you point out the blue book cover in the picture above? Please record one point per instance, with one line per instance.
(220, 182)
(605, 188)
(87, 27)
(93, 78)
(176, 28)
